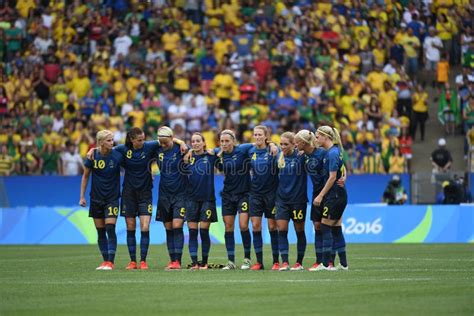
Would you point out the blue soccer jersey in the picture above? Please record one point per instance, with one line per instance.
(236, 169)
(333, 162)
(137, 164)
(264, 171)
(105, 170)
(201, 177)
(173, 179)
(292, 182)
(315, 168)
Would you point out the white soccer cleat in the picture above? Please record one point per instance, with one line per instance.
(341, 267)
(246, 265)
(230, 266)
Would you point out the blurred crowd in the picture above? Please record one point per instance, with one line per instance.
(71, 68)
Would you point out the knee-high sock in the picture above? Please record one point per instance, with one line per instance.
(170, 243)
(178, 243)
(193, 244)
(112, 241)
(339, 244)
(144, 244)
(327, 244)
(246, 242)
(283, 244)
(103, 244)
(205, 244)
(300, 246)
(132, 245)
(258, 245)
(230, 245)
(274, 242)
(318, 245)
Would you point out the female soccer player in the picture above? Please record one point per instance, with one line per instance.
(263, 186)
(201, 203)
(234, 162)
(104, 195)
(171, 208)
(332, 199)
(314, 156)
(291, 200)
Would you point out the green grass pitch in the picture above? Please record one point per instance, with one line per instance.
(383, 279)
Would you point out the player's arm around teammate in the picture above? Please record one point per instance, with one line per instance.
(291, 200)
(264, 183)
(201, 203)
(171, 209)
(332, 198)
(104, 195)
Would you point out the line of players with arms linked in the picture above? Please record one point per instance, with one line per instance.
(260, 179)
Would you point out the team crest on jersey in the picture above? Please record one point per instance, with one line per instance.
(111, 164)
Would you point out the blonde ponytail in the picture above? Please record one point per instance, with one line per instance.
(308, 137)
(333, 134)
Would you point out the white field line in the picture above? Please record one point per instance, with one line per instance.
(410, 259)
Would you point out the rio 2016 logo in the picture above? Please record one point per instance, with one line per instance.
(352, 226)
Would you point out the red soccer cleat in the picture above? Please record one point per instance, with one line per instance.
(108, 266)
(276, 266)
(204, 267)
(170, 264)
(131, 266)
(175, 265)
(297, 267)
(257, 266)
(102, 265)
(194, 267)
(284, 267)
(315, 266)
(143, 265)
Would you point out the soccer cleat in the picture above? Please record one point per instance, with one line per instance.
(175, 265)
(143, 265)
(341, 267)
(194, 267)
(257, 266)
(276, 266)
(246, 265)
(331, 267)
(204, 267)
(315, 266)
(131, 266)
(170, 264)
(102, 265)
(284, 267)
(297, 267)
(229, 266)
(108, 266)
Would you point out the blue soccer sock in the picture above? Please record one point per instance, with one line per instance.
(246, 242)
(300, 246)
(103, 243)
(170, 243)
(230, 245)
(193, 244)
(327, 243)
(205, 244)
(144, 245)
(112, 241)
(283, 244)
(178, 243)
(339, 244)
(132, 245)
(274, 242)
(258, 245)
(318, 245)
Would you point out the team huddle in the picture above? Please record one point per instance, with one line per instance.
(260, 179)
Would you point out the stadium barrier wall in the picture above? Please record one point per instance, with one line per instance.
(362, 224)
(53, 191)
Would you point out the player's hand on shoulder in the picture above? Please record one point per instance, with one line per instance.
(90, 154)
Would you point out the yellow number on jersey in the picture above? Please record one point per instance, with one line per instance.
(192, 160)
(160, 156)
(113, 211)
(129, 154)
(208, 214)
(254, 157)
(274, 210)
(150, 209)
(298, 214)
(245, 206)
(182, 212)
(325, 211)
(99, 164)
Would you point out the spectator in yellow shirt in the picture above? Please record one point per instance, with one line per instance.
(222, 85)
(420, 111)
(397, 162)
(372, 162)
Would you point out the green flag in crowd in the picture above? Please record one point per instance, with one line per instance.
(449, 106)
